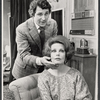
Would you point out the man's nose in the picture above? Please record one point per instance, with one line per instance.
(43, 17)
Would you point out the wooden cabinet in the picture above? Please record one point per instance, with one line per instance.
(82, 5)
(86, 64)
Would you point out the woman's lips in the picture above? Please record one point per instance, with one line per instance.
(57, 59)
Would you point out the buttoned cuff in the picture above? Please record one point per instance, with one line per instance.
(38, 61)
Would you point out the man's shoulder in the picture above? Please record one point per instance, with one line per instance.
(24, 24)
(21, 26)
(51, 21)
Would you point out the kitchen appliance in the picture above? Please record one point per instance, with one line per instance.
(83, 47)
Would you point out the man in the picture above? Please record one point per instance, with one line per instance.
(30, 42)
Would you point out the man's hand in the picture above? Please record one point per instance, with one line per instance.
(45, 61)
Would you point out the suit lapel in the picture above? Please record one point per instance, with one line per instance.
(34, 33)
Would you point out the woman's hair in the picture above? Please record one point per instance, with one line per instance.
(44, 4)
(59, 39)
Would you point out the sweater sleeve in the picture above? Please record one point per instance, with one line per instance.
(55, 28)
(82, 90)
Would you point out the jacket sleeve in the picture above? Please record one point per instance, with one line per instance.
(23, 48)
(82, 90)
(55, 29)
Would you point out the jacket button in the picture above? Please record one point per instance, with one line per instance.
(55, 97)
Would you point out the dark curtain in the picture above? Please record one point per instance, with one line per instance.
(57, 15)
(19, 13)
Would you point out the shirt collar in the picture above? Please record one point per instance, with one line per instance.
(37, 26)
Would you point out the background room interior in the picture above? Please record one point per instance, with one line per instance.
(79, 15)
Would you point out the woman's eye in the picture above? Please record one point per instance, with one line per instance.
(53, 50)
(62, 50)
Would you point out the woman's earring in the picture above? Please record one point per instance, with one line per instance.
(65, 61)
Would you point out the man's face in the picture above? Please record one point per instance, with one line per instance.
(41, 16)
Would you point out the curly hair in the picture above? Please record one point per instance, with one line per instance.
(69, 51)
(44, 4)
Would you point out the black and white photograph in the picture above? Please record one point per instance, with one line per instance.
(50, 49)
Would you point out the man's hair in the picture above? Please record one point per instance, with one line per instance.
(44, 4)
(62, 40)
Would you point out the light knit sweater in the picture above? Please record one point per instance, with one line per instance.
(70, 86)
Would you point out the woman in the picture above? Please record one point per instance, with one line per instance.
(61, 82)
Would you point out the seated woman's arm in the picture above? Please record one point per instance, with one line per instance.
(82, 90)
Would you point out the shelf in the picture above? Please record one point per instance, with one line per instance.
(85, 55)
(86, 36)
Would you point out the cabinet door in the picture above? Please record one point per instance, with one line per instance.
(82, 5)
(79, 5)
(76, 6)
(89, 5)
(87, 66)
(77, 63)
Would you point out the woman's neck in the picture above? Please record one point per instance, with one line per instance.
(61, 69)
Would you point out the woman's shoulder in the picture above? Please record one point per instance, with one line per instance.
(74, 72)
(44, 75)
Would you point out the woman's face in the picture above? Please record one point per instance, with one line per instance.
(57, 53)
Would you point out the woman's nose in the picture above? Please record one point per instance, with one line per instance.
(57, 53)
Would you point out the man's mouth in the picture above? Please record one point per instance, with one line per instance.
(43, 22)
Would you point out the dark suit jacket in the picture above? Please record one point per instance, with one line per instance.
(29, 46)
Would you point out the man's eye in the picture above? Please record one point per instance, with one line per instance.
(40, 14)
(47, 13)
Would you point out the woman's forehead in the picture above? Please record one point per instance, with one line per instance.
(57, 45)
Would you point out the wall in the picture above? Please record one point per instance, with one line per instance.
(68, 6)
(5, 33)
(57, 5)
(93, 40)
(65, 4)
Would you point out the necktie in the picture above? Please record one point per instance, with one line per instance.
(42, 36)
